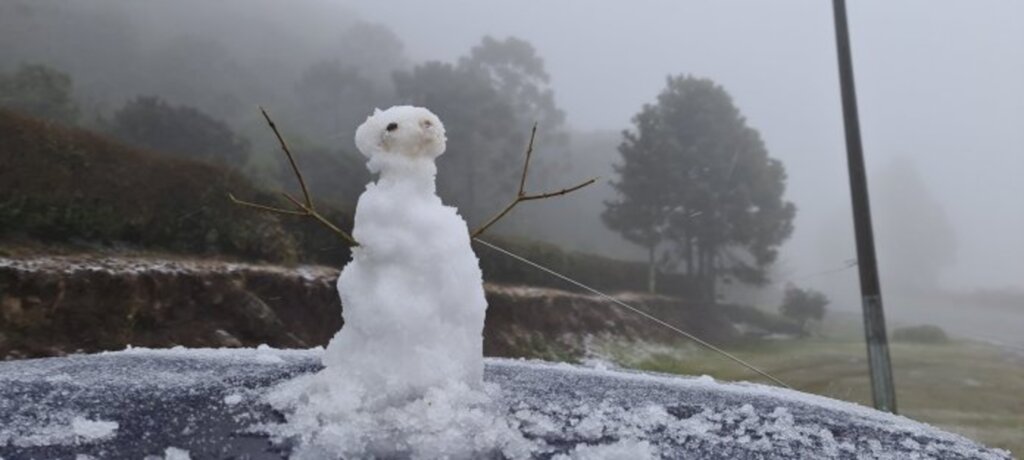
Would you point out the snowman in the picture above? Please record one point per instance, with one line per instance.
(404, 376)
(413, 293)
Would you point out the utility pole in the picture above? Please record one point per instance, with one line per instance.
(882, 388)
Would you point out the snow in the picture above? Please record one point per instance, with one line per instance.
(63, 428)
(174, 453)
(452, 421)
(405, 374)
(161, 398)
(726, 429)
(171, 453)
(621, 450)
(92, 429)
(140, 265)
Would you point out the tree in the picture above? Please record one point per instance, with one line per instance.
(518, 74)
(39, 91)
(335, 95)
(372, 48)
(480, 166)
(698, 190)
(916, 238)
(803, 305)
(489, 100)
(334, 100)
(150, 122)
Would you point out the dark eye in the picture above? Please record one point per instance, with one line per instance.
(392, 126)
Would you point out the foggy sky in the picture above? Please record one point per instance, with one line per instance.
(940, 83)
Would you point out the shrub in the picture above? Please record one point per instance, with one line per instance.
(765, 322)
(151, 123)
(920, 334)
(39, 91)
(803, 305)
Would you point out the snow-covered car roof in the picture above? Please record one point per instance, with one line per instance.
(207, 403)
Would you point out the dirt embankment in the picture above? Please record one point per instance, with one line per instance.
(56, 305)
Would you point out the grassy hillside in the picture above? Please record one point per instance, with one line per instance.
(61, 184)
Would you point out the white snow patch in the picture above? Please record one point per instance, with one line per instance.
(92, 430)
(171, 453)
(332, 416)
(598, 363)
(62, 429)
(137, 265)
(174, 453)
(631, 449)
(263, 354)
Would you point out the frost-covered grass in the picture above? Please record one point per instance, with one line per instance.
(966, 387)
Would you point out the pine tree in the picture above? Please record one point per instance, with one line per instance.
(698, 189)
(489, 99)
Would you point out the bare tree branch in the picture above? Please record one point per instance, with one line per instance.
(303, 208)
(521, 195)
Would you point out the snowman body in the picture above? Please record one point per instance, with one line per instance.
(412, 295)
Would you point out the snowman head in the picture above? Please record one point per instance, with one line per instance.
(408, 131)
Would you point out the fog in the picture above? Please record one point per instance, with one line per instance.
(940, 83)
(940, 86)
(941, 92)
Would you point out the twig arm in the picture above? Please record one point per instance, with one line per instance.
(264, 208)
(521, 194)
(344, 235)
(291, 159)
(493, 220)
(522, 198)
(307, 211)
(303, 208)
(563, 191)
(526, 164)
